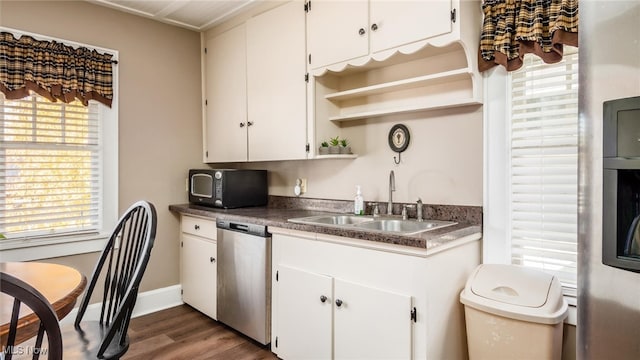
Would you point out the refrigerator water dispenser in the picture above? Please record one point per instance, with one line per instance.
(621, 184)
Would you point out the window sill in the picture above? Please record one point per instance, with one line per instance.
(572, 318)
(50, 247)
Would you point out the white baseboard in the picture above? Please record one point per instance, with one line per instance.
(148, 302)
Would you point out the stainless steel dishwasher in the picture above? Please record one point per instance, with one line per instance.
(244, 278)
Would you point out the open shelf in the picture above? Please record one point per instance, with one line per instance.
(402, 84)
(403, 110)
(430, 78)
(336, 156)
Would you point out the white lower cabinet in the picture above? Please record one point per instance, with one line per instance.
(305, 328)
(340, 298)
(198, 264)
(371, 323)
(357, 321)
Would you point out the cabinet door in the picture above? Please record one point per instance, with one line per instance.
(276, 89)
(226, 94)
(304, 319)
(333, 29)
(404, 22)
(371, 323)
(198, 263)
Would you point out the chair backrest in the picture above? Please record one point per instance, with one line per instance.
(122, 263)
(24, 293)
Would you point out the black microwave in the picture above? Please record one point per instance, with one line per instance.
(228, 188)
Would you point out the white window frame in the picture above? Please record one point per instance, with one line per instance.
(496, 179)
(44, 247)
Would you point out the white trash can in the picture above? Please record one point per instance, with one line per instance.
(513, 312)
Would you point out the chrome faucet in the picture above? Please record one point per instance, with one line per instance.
(392, 188)
(419, 210)
(375, 212)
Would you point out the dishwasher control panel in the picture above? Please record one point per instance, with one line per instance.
(250, 229)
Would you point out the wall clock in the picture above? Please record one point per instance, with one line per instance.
(399, 140)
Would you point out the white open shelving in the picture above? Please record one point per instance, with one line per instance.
(402, 84)
(336, 156)
(429, 79)
(402, 110)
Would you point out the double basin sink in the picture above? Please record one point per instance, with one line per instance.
(380, 224)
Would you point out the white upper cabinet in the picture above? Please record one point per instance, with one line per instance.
(255, 88)
(225, 112)
(340, 31)
(337, 31)
(276, 89)
(396, 23)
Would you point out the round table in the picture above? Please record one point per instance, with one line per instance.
(60, 284)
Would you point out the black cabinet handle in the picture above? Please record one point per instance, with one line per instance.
(323, 298)
(338, 302)
(241, 124)
(212, 259)
(249, 123)
(361, 31)
(374, 27)
(197, 227)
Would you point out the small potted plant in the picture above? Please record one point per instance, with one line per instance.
(324, 148)
(345, 148)
(334, 145)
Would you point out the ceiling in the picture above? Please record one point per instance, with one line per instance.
(197, 15)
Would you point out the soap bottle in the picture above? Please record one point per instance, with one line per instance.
(358, 204)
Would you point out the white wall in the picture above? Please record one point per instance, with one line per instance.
(442, 165)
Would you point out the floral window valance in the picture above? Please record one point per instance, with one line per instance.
(54, 70)
(513, 28)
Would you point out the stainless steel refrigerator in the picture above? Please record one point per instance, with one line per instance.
(608, 296)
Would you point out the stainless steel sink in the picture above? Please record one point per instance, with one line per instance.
(332, 220)
(404, 226)
(397, 226)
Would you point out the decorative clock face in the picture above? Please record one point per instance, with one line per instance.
(399, 138)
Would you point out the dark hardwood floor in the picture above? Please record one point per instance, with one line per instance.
(182, 332)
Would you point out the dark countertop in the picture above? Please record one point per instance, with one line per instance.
(277, 217)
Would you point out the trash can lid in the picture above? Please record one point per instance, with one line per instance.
(512, 285)
(515, 292)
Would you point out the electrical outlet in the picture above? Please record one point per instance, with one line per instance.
(303, 186)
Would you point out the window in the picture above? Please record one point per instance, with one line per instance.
(531, 168)
(58, 176)
(51, 157)
(544, 167)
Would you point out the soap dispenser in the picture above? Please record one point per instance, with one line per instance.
(358, 204)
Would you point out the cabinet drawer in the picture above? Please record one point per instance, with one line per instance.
(199, 227)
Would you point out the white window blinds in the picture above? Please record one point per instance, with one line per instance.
(50, 167)
(544, 167)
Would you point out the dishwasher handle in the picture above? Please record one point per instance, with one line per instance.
(239, 227)
(245, 228)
